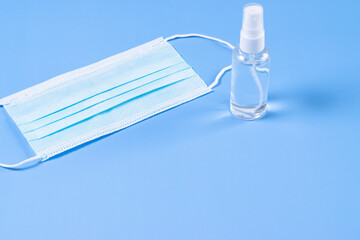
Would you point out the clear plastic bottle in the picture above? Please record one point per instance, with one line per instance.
(250, 67)
(249, 83)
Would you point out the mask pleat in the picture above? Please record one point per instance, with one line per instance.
(104, 94)
(49, 133)
(102, 97)
(111, 102)
(144, 66)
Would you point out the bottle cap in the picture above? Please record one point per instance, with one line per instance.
(252, 35)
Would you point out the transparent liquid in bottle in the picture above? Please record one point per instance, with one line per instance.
(249, 83)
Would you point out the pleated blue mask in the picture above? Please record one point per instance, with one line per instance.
(101, 98)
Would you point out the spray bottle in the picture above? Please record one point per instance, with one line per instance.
(250, 67)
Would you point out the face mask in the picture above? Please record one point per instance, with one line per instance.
(115, 93)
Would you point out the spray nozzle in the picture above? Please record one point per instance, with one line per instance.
(252, 36)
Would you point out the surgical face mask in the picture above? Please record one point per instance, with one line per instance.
(96, 100)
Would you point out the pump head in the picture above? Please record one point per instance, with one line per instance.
(252, 35)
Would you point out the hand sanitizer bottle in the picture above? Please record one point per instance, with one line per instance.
(250, 67)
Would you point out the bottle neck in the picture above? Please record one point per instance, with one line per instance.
(251, 58)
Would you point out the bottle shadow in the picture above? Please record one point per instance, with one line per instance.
(307, 102)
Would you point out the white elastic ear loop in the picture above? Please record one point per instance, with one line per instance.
(200, 36)
(220, 74)
(258, 84)
(224, 70)
(20, 164)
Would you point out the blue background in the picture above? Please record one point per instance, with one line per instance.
(194, 172)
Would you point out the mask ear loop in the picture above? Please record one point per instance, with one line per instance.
(20, 164)
(253, 70)
(225, 69)
(219, 75)
(200, 36)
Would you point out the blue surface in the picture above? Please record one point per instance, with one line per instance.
(194, 172)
